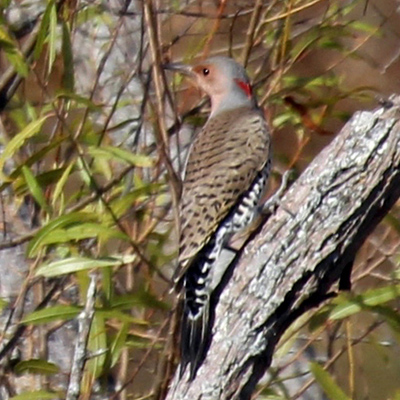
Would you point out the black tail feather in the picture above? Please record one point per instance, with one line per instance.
(195, 323)
(195, 335)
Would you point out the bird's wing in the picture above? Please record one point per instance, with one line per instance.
(223, 162)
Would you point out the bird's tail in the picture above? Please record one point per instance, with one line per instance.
(194, 339)
(195, 323)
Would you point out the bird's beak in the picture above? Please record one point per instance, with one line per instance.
(184, 69)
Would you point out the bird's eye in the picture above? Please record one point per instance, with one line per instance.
(206, 71)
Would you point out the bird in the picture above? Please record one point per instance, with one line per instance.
(225, 176)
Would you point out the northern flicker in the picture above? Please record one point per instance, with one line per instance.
(226, 172)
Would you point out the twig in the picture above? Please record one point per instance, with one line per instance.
(80, 353)
(250, 32)
(162, 139)
(9, 346)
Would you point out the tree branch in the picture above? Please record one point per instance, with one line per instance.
(300, 252)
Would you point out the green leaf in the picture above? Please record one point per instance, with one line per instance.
(13, 53)
(118, 343)
(44, 179)
(393, 221)
(50, 314)
(79, 100)
(117, 315)
(52, 38)
(35, 189)
(36, 366)
(396, 395)
(108, 284)
(285, 118)
(138, 342)
(62, 221)
(139, 299)
(102, 166)
(18, 141)
(31, 160)
(5, 3)
(391, 316)
(117, 153)
(3, 303)
(374, 297)
(320, 318)
(327, 384)
(83, 231)
(74, 264)
(96, 344)
(39, 395)
(270, 394)
(121, 204)
(84, 172)
(68, 60)
(43, 30)
(365, 27)
(61, 183)
(304, 44)
(346, 305)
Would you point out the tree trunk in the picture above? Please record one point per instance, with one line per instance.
(300, 252)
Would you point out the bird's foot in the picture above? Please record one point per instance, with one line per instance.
(274, 201)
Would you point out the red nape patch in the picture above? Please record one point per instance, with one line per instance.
(245, 87)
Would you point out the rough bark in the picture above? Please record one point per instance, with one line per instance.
(300, 252)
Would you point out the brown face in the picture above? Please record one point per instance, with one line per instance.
(207, 77)
(204, 70)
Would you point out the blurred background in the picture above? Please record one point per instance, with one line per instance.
(93, 141)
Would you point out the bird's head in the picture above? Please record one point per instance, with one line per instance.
(223, 79)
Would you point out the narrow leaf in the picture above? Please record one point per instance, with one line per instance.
(52, 40)
(117, 153)
(43, 30)
(44, 179)
(80, 100)
(50, 314)
(67, 54)
(36, 366)
(137, 342)
(83, 231)
(61, 183)
(348, 305)
(139, 299)
(119, 343)
(62, 221)
(13, 53)
(35, 189)
(18, 140)
(3, 303)
(39, 155)
(327, 383)
(74, 264)
(120, 316)
(97, 343)
(38, 395)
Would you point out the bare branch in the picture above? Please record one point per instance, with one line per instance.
(250, 32)
(161, 131)
(80, 353)
(300, 252)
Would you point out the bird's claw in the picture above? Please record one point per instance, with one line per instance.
(274, 201)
